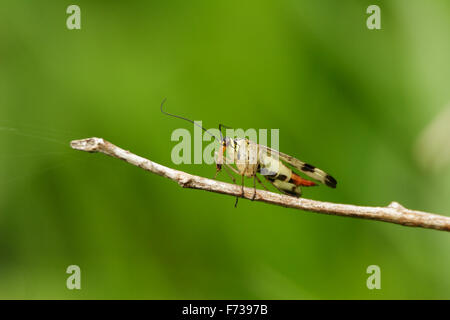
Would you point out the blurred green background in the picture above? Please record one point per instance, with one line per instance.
(353, 101)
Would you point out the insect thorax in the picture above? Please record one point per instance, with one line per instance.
(245, 157)
(250, 159)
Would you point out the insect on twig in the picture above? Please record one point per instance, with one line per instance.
(251, 159)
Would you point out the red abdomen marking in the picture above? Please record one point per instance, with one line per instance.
(299, 181)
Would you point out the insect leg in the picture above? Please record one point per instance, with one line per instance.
(227, 168)
(242, 192)
(254, 187)
(231, 168)
(260, 182)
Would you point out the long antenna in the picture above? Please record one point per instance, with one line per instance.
(189, 120)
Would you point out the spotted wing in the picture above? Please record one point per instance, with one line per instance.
(304, 167)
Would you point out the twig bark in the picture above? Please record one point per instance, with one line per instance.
(394, 213)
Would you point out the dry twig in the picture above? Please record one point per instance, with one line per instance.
(394, 213)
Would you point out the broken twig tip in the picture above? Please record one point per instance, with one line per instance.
(89, 145)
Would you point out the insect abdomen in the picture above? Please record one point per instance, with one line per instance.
(287, 187)
(274, 168)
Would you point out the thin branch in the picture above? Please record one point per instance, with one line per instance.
(394, 213)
